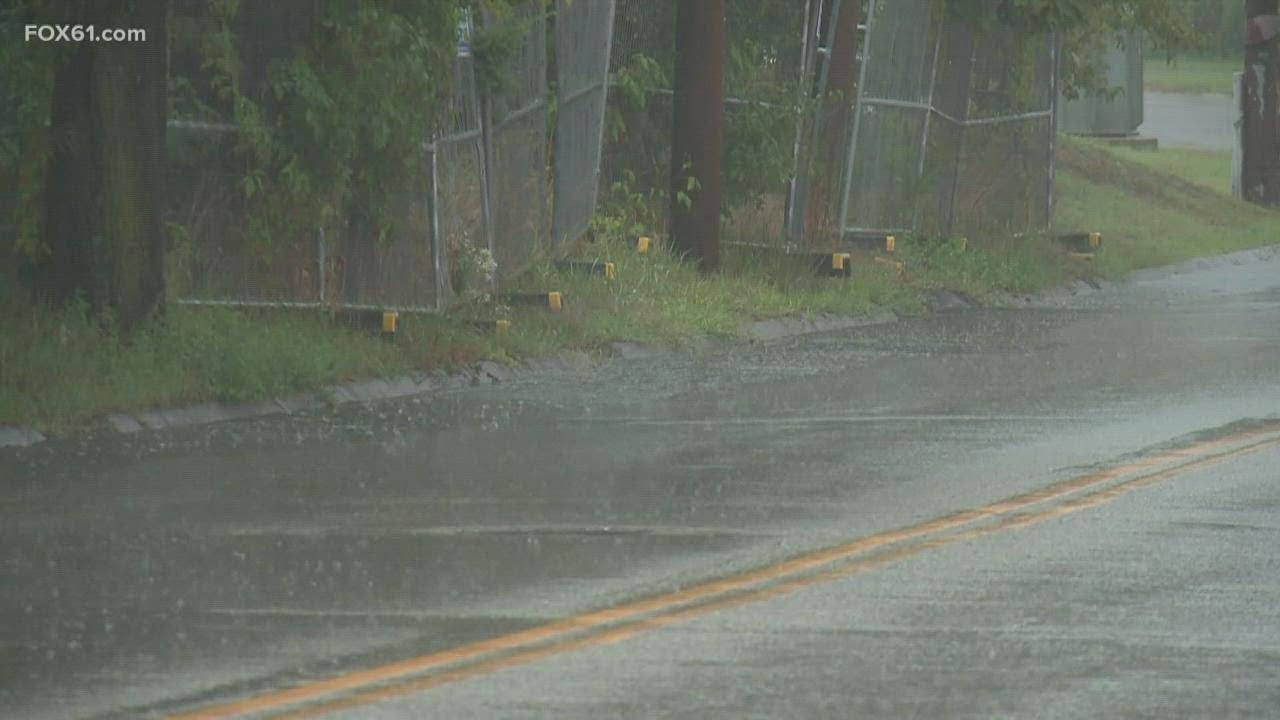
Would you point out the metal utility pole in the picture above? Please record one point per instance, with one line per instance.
(697, 131)
(1261, 163)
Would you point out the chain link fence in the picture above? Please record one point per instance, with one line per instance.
(951, 128)
(516, 141)
(764, 84)
(584, 37)
(498, 144)
(948, 128)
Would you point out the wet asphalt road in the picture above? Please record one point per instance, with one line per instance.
(163, 571)
(1204, 122)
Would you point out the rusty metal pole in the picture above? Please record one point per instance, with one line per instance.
(697, 131)
(1261, 166)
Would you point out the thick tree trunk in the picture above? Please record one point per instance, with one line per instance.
(697, 134)
(103, 220)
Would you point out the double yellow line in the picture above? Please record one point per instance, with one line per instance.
(616, 624)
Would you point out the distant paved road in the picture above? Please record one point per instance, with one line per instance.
(1197, 121)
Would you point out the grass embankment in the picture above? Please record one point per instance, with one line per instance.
(1156, 208)
(58, 370)
(1193, 75)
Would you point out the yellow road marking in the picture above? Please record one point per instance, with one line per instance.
(617, 624)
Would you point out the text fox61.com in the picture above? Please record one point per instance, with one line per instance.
(83, 33)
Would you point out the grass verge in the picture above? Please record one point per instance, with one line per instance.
(1151, 216)
(1195, 75)
(60, 370)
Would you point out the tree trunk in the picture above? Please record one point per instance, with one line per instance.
(103, 218)
(697, 133)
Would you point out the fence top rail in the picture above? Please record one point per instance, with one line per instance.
(923, 107)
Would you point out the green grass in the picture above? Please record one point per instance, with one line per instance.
(1150, 216)
(1209, 76)
(60, 370)
(1211, 168)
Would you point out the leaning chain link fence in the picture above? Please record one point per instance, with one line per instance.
(516, 138)
(951, 126)
(584, 35)
(953, 129)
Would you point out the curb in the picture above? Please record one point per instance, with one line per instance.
(420, 383)
(787, 327)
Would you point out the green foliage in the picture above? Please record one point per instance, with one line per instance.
(760, 115)
(61, 367)
(1087, 26)
(336, 128)
(760, 131)
(982, 270)
(627, 210)
(238, 358)
(638, 128)
(495, 44)
(26, 93)
(1220, 22)
(1155, 209)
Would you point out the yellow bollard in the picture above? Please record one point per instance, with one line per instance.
(390, 319)
(642, 244)
(890, 244)
(1095, 240)
(555, 301)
